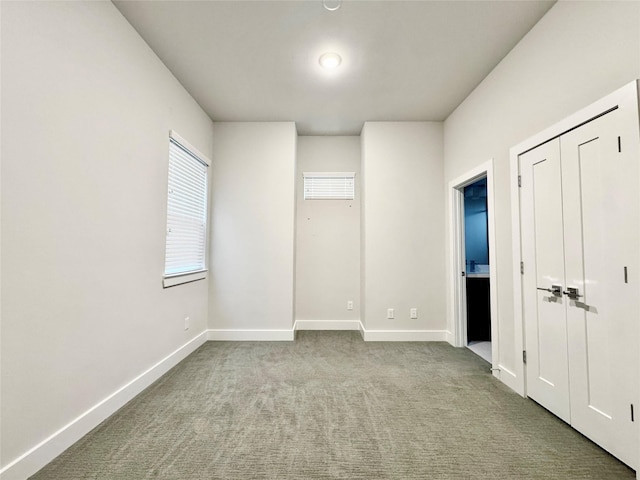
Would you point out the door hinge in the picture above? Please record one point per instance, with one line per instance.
(524, 356)
(632, 416)
(619, 145)
(520, 178)
(521, 268)
(463, 274)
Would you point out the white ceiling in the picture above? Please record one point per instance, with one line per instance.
(402, 60)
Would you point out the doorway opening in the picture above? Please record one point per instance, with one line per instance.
(473, 265)
(477, 267)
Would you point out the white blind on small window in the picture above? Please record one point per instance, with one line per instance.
(329, 185)
(186, 212)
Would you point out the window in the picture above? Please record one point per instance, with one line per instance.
(186, 214)
(329, 185)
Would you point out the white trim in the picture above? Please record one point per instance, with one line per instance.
(327, 325)
(618, 98)
(179, 279)
(457, 297)
(201, 156)
(451, 338)
(329, 174)
(518, 330)
(625, 97)
(493, 269)
(41, 454)
(404, 335)
(250, 335)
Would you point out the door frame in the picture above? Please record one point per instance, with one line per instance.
(625, 99)
(458, 298)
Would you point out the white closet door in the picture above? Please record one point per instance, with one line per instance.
(600, 198)
(547, 372)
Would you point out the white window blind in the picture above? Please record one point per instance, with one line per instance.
(329, 185)
(186, 211)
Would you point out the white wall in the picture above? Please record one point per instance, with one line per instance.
(86, 111)
(403, 227)
(577, 53)
(327, 234)
(252, 227)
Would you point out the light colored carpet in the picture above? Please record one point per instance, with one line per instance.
(330, 406)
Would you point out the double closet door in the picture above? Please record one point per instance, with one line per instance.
(580, 251)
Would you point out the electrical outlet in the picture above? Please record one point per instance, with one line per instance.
(350, 305)
(414, 313)
(186, 323)
(390, 313)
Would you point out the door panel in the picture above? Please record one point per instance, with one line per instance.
(600, 235)
(547, 373)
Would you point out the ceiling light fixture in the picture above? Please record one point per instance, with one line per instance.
(332, 6)
(330, 60)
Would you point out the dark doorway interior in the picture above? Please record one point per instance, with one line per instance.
(477, 262)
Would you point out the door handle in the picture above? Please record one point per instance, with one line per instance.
(555, 290)
(572, 293)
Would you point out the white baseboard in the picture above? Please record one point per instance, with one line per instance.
(404, 335)
(327, 325)
(250, 335)
(41, 454)
(451, 338)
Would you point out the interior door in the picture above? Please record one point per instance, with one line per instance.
(580, 235)
(600, 199)
(547, 370)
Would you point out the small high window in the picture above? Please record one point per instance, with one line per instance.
(329, 185)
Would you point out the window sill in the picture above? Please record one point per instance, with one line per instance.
(182, 278)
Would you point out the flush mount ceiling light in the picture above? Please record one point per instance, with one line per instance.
(332, 6)
(330, 60)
